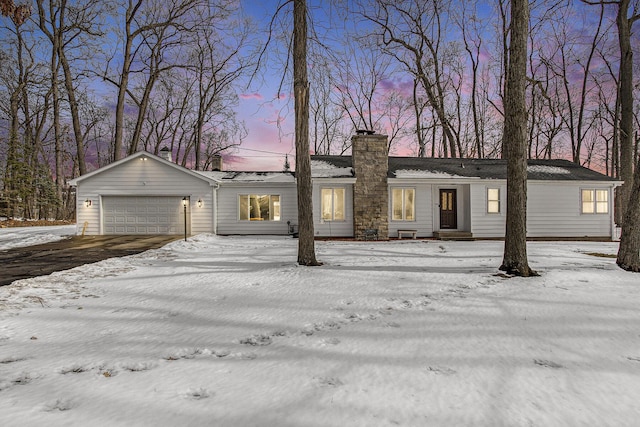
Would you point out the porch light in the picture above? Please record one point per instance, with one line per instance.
(87, 203)
(199, 203)
(184, 201)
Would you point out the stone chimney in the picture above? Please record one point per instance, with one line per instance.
(370, 193)
(216, 163)
(165, 153)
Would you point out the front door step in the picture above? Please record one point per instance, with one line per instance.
(453, 235)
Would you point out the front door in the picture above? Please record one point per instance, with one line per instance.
(448, 209)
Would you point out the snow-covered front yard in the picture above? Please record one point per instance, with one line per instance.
(229, 331)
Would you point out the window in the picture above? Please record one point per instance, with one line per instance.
(402, 204)
(493, 200)
(255, 207)
(595, 201)
(332, 204)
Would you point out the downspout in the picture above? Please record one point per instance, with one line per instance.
(214, 210)
(612, 215)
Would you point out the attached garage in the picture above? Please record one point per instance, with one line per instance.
(143, 194)
(142, 215)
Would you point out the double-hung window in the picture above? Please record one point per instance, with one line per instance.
(332, 204)
(595, 201)
(493, 200)
(403, 204)
(259, 207)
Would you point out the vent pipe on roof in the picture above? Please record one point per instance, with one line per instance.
(165, 153)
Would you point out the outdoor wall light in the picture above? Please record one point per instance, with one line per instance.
(184, 201)
(199, 203)
(87, 203)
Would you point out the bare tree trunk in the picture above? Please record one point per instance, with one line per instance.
(626, 102)
(418, 108)
(306, 244)
(75, 114)
(515, 142)
(629, 250)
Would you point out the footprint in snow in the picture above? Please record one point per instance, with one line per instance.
(197, 393)
(257, 340)
(136, 366)
(73, 369)
(547, 363)
(328, 381)
(330, 341)
(441, 370)
(59, 405)
(11, 359)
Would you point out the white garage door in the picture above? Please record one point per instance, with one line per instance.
(142, 215)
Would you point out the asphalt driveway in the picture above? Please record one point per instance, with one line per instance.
(40, 260)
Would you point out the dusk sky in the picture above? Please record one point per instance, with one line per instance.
(268, 114)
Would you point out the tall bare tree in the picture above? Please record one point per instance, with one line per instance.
(412, 32)
(143, 23)
(629, 250)
(69, 27)
(306, 236)
(515, 143)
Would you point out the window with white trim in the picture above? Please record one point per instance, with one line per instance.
(332, 201)
(403, 204)
(595, 201)
(493, 200)
(259, 207)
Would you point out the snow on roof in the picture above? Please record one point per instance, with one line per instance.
(554, 170)
(413, 173)
(249, 176)
(322, 169)
(259, 177)
(216, 175)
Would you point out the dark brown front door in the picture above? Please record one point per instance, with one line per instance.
(448, 209)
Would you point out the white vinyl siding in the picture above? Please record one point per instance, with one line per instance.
(484, 224)
(144, 178)
(423, 210)
(553, 210)
(228, 208)
(334, 228)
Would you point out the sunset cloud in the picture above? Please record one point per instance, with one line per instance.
(254, 95)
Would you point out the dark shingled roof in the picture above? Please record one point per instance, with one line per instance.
(538, 170)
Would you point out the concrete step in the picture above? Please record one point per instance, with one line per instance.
(453, 235)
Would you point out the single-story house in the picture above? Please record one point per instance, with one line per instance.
(363, 195)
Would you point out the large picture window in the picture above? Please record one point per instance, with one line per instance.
(332, 204)
(595, 201)
(256, 207)
(403, 204)
(493, 200)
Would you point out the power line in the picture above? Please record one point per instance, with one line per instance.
(276, 154)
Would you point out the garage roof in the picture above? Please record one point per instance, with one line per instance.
(210, 180)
